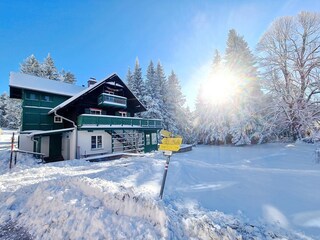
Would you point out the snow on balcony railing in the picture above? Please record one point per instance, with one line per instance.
(115, 121)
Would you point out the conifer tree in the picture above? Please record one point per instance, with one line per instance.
(10, 112)
(48, 69)
(152, 95)
(30, 66)
(67, 77)
(161, 81)
(241, 62)
(129, 79)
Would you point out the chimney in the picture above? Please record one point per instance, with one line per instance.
(91, 81)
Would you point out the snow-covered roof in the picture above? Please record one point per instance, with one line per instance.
(25, 81)
(92, 87)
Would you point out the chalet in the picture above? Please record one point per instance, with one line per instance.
(65, 121)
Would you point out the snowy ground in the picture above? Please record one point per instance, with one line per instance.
(259, 192)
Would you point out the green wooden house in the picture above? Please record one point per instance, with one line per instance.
(65, 121)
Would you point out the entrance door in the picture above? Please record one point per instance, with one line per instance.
(55, 147)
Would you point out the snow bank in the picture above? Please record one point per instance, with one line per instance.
(118, 199)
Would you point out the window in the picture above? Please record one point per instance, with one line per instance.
(95, 111)
(147, 139)
(46, 98)
(123, 114)
(57, 119)
(96, 142)
(32, 96)
(153, 138)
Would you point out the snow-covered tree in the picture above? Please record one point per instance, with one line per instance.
(289, 59)
(129, 79)
(161, 80)
(67, 77)
(48, 69)
(10, 112)
(30, 66)
(212, 119)
(152, 95)
(240, 61)
(136, 83)
(179, 118)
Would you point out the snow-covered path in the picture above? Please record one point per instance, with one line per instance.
(256, 186)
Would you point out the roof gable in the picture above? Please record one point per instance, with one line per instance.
(112, 80)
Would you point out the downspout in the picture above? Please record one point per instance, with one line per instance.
(75, 129)
(36, 142)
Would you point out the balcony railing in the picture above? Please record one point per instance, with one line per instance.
(107, 121)
(110, 100)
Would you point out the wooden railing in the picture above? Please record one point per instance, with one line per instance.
(107, 120)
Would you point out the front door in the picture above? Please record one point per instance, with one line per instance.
(150, 141)
(55, 147)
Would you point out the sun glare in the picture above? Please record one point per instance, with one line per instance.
(220, 87)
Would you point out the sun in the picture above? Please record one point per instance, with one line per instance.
(220, 87)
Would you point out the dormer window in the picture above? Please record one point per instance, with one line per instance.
(95, 111)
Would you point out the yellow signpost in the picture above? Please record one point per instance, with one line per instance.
(165, 133)
(169, 147)
(172, 141)
(168, 144)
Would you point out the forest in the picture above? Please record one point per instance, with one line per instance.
(251, 96)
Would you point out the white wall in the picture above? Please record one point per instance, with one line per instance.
(45, 145)
(66, 146)
(25, 143)
(84, 142)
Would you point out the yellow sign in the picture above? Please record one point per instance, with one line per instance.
(169, 147)
(172, 141)
(165, 133)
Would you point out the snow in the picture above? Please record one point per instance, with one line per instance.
(257, 192)
(25, 81)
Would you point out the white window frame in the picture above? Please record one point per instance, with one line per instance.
(95, 111)
(57, 119)
(96, 142)
(154, 139)
(123, 114)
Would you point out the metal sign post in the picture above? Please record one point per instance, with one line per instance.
(169, 144)
(168, 154)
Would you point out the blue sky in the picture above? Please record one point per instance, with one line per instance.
(97, 38)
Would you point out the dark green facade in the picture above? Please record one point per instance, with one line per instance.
(35, 108)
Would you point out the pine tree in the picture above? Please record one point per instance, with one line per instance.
(137, 85)
(69, 77)
(48, 69)
(241, 62)
(129, 79)
(245, 117)
(152, 94)
(161, 81)
(10, 112)
(30, 66)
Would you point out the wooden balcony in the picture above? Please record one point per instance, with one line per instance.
(111, 100)
(107, 121)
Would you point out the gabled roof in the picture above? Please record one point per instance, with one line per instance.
(25, 81)
(112, 79)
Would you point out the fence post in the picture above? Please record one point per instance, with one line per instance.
(12, 141)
